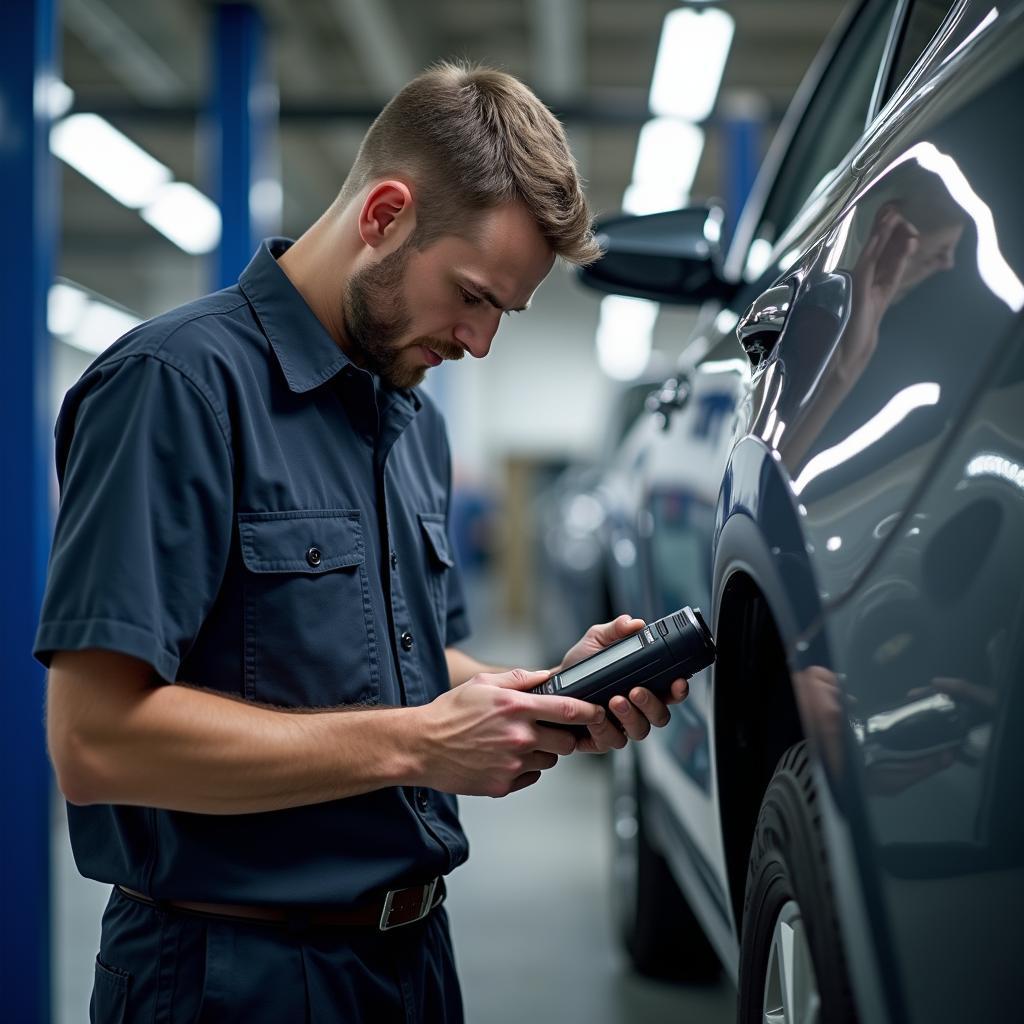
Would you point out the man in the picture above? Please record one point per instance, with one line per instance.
(254, 508)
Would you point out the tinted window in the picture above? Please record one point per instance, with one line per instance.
(834, 120)
(919, 27)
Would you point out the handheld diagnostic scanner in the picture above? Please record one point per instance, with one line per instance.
(678, 645)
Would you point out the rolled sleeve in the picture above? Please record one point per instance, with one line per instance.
(143, 533)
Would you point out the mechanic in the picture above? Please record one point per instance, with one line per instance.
(254, 507)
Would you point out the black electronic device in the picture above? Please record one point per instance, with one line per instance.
(678, 645)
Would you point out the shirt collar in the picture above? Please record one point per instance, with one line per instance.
(308, 355)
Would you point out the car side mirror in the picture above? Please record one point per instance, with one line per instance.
(672, 257)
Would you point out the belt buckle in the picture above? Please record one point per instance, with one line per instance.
(426, 905)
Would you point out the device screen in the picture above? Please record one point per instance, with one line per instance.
(608, 656)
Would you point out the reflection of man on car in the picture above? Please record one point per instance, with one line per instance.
(915, 229)
(900, 234)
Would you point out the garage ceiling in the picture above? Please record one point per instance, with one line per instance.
(146, 67)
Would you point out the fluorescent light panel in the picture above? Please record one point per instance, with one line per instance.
(667, 154)
(624, 335)
(97, 150)
(184, 215)
(109, 159)
(691, 57)
(85, 321)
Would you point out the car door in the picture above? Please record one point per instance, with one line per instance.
(910, 485)
(688, 439)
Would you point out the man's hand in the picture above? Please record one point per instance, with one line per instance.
(487, 737)
(637, 714)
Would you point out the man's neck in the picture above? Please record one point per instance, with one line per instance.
(318, 268)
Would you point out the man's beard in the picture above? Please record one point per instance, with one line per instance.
(376, 317)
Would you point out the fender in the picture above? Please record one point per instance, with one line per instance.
(758, 535)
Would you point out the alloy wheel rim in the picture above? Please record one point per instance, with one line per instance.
(790, 986)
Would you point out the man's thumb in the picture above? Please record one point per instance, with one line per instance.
(523, 679)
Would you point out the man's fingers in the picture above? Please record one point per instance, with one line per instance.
(636, 725)
(603, 737)
(654, 710)
(562, 710)
(678, 691)
(518, 678)
(539, 761)
(623, 626)
(555, 741)
(522, 781)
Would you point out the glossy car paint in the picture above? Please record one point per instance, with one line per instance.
(868, 479)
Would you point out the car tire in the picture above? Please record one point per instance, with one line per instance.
(792, 967)
(655, 923)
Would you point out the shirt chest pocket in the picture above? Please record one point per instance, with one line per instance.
(309, 630)
(439, 562)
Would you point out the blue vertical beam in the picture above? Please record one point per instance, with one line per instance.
(27, 64)
(742, 134)
(244, 144)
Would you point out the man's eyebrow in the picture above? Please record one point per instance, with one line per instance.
(490, 297)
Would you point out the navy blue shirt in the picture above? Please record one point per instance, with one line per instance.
(246, 510)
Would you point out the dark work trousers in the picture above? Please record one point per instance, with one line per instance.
(160, 966)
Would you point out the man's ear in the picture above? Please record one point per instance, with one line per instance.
(388, 214)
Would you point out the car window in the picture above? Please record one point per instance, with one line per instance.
(919, 28)
(834, 120)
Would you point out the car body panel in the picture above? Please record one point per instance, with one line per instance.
(868, 479)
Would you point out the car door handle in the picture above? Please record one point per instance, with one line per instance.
(759, 328)
(668, 399)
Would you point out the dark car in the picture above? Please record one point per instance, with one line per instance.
(836, 476)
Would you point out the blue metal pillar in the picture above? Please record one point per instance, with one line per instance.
(742, 129)
(244, 144)
(28, 50)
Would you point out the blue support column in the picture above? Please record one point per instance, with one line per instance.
(742, 133)
(244, 144)
(27, 59)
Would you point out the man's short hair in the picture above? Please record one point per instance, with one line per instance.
(473, 138)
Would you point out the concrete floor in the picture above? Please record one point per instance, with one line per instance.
(530, 911)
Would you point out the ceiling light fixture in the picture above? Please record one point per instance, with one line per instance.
(691, 57)
(184, 215)
(624, 334)
(97, 150)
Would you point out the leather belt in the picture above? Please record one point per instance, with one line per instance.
(397, 907)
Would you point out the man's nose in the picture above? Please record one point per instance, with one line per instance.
(476, 338)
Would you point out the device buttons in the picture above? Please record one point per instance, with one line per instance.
(649, 635)
(407, 641)
(662, 628)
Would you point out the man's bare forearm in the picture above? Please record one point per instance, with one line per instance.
(462, 667)
(184, 749)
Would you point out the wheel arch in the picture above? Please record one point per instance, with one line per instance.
(765, 602)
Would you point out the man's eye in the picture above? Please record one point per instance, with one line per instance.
(469, 298)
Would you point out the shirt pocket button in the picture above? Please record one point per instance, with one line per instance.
(313, 557)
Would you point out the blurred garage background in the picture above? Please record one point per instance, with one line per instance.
(144, 148)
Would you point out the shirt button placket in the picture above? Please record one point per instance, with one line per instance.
(407, 641)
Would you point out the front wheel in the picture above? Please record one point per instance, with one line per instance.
(792, 967)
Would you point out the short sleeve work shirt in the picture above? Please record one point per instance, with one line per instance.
(243, 509)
